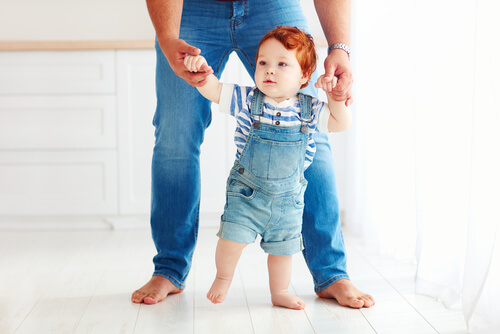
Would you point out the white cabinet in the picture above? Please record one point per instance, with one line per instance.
(76, 135)
(75, 132)
(136, 103)
(58, 133)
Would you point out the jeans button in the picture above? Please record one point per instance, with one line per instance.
(241, 170)
(255, 125)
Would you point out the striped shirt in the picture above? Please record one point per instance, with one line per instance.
(237, 100)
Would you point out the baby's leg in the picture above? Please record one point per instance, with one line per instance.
(280, 272)
(227, 255)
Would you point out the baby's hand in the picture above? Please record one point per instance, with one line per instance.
(197, 64)
(326, 85)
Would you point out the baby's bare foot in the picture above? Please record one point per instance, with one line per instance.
(218, 291)
(347, 294)
(154, 291)
(287, 300)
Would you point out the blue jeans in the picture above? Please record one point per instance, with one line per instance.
(218, 28)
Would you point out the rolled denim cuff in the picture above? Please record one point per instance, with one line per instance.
(287, 247)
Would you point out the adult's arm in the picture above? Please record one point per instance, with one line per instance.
(335, 19)
(166, 18)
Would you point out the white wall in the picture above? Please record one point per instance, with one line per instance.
(74, 20)
(87, 19)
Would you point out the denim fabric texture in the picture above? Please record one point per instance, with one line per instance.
(219, 28)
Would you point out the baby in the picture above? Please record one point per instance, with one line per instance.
(265, 188)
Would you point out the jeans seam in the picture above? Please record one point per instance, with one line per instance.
(318, 287)
(217, 72)
(247, 59)
(170, 278)
(330, 282)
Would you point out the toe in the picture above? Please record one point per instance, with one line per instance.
(137, 297)
(153, 298)
(300, 305)
(150, 301)
(356, 303)
(368, 301)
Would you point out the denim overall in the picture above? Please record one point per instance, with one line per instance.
(265, 188)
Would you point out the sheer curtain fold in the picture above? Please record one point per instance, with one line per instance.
(424, 153)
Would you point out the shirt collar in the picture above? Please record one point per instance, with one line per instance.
(283, 104)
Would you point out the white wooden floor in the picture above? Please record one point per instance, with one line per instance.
(81, 282)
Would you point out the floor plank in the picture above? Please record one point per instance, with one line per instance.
(61, 307)
(114, 288)
(81, 282)
(326, 316)
(267, 318)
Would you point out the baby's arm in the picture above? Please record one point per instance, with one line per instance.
(212, 89)
(340, 115)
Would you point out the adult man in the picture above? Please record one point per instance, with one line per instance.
(182, 115)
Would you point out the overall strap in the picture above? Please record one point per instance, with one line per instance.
(305, 106)
(305, 111)
(257, 102)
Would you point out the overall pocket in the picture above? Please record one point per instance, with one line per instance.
(274, 160)
(238, 188)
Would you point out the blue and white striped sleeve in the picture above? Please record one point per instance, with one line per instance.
(233, 98)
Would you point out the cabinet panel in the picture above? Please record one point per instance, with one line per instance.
(57, 122)
(53, 72)
(136, 103)
(58, 183)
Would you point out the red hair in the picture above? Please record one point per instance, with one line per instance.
(293, 38)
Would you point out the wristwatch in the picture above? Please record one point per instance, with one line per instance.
(340, 46)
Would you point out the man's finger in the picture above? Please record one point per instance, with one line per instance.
(334, 82)
(192, 50)
(343, 85)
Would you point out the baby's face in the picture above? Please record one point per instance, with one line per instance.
(278, 73)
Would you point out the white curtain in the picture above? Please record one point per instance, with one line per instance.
(423, 155)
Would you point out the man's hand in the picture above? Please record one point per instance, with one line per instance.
(338, 77)
(175, 50)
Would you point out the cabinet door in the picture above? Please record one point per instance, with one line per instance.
(57, 72)
(55, 122)
(136, 103)
(58, 183)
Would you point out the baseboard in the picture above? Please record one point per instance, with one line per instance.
(76, 222)
(62, 223)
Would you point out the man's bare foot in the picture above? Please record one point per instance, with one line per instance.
(347, 294)
(218, 290)
(287, 300)
(154, 291)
